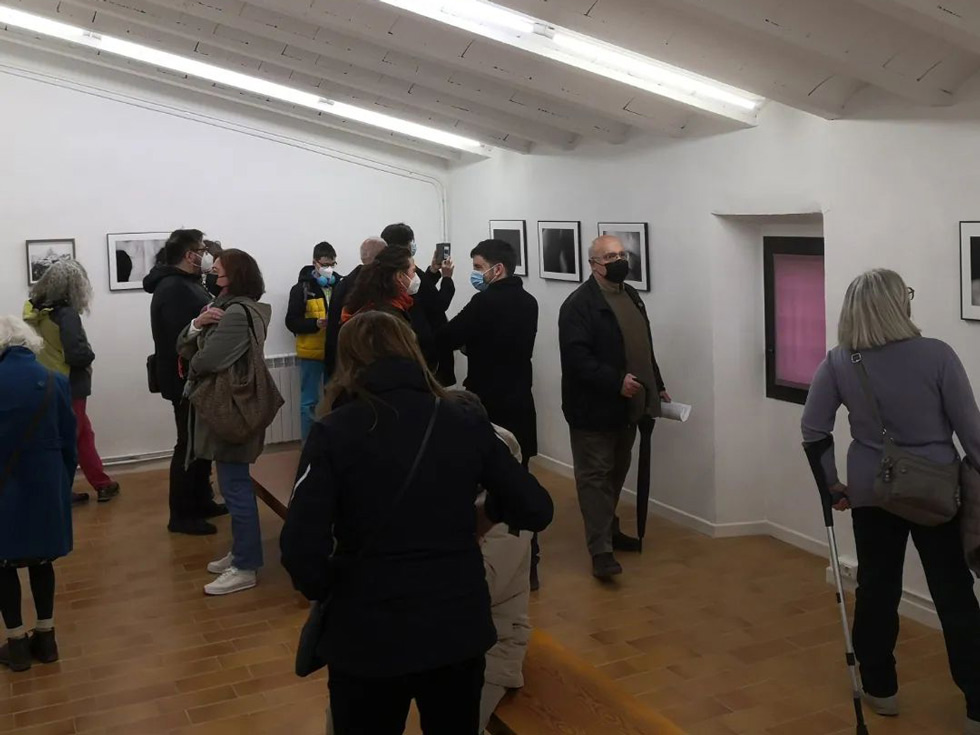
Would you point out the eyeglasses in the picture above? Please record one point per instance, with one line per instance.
(611, 258)
(911, 294)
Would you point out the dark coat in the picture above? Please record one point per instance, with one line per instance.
(35, 503)
(418, 598)
(434, 298)
(334, 310)
(497, 329)
(307, 288)
(178, 298)
(593, 360)
(66, 345)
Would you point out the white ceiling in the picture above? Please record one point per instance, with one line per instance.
(814, 55)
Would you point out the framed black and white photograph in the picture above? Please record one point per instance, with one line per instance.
(42, 254)
(514, 233)
(560, 250)
(970, 271)
(131, 257)
(635, 238)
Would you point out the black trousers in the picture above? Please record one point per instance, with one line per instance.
(190, 488)
(448, 700)
(535, 545)
(881, 541)
(42, 589)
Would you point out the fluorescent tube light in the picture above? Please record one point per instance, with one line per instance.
(589, 54)
(229, 78)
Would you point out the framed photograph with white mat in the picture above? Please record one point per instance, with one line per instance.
(514, 233)
(635, 238)
(42, 254)
(560, 250)
(970, 271)
(131, 257)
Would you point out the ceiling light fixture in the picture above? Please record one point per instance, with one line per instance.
(589, 54)
(218, 75)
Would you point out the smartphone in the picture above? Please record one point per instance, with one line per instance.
(443, 251)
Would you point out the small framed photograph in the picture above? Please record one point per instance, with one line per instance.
(560, 250)
(131, 257)
(635, 238)
(42, 254)
(514, 233)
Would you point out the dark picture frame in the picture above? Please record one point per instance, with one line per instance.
(970, 271)
(514, 233)
(560, 250)
(131, 256)
(41, 254)
(635, 237)
(772, 248)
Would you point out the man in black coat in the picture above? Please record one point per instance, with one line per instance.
(497, 330)
(610, 380)
(369, 250)
(178, 297)
(433, 299)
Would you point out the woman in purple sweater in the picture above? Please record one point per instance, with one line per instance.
(924, 397)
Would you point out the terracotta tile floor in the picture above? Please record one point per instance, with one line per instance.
(722, 636)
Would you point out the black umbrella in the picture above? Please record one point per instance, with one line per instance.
(645, 425)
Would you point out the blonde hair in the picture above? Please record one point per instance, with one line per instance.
(65, 282)
(876, 311)
(15, 332)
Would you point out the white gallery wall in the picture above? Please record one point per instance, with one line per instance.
(83, 154)
(891, 193)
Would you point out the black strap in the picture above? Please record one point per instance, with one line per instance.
(409, 479)
(865, 380)
(14, 458)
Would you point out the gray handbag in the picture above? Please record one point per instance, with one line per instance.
(912, 487)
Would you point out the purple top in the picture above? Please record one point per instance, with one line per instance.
(924, 396)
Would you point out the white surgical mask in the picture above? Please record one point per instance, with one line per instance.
(207, 262)
(414, 285)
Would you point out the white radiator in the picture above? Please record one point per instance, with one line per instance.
(285, 372)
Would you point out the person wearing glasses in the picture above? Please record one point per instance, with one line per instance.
(610, 380)
(178, 298)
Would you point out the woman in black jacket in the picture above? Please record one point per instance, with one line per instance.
(409, 611)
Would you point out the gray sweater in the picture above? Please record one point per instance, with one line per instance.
(924, 396)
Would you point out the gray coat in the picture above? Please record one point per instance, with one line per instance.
(216, 349)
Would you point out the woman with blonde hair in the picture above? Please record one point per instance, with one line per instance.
(382, 525)
(37, 466)
(923, 396)
(55, 309)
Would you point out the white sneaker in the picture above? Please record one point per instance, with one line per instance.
(231, 580)
(972, 727)
(220, 566)
(882, 706)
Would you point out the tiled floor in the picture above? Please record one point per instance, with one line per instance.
(722, 636)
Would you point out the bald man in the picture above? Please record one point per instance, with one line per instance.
(610, 380)
(369, 251)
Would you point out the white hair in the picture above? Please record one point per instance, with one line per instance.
(15, 332)
(876, 311)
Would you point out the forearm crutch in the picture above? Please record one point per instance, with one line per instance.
(814, 452)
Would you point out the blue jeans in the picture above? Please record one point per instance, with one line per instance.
(236, 489)
(311, 391)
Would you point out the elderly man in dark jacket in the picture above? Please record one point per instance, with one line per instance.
(178, 298)
(610, 380)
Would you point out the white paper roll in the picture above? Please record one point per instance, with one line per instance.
(675, 411)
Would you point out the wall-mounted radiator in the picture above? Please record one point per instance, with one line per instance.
(285, 372)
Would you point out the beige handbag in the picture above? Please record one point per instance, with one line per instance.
(915, 488)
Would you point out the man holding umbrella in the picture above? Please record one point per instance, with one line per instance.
(611, 383)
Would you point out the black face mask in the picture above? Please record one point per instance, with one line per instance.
(211, 284)
(617, 271)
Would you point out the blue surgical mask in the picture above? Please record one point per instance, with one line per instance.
(325, 276)
(479, 281)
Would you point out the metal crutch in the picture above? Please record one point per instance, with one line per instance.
(814, 451)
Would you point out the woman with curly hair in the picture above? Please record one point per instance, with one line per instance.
(54, 310)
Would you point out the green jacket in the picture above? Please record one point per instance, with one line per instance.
(216, 349)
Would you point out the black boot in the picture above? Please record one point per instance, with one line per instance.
(215, 510)
(16, 654)
(79, 498)
(44, 647)
(193, 527)
(108, 492)
(622, 542)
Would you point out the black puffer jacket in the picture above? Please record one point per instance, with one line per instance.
(178, 298)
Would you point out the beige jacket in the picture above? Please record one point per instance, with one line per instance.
(507, 560)
(970, 515)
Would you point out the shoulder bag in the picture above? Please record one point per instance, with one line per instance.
(11, 465)
(241, 402)
(912, 487)
(309, 658)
